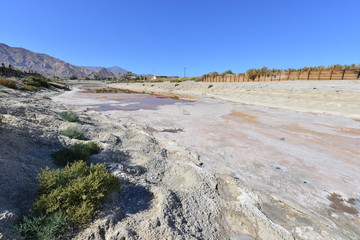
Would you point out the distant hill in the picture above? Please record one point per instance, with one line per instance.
(46, 65)
(114, 69)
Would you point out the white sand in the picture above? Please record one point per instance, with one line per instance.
(340, 98)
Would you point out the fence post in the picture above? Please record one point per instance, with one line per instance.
(319, 75)
(309, 75)
(343, 74)
(288, 76)
(331, 73)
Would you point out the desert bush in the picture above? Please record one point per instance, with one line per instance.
(8, 83)
(44, 226)
(210, 86)
(79, 151)
(73, 132)
(93, 147)
(29, 88)
(76, 190)
(36, 81)
(176, 80)
(69, 116)
(3, 91)
(196, 79)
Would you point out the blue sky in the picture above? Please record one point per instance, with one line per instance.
(162, 37)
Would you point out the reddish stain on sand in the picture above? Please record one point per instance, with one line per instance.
(339, 203)
(242, 116)
(116, 90)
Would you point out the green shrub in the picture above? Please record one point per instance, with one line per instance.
(93, 147)
(8, 83)
(29, 88)
(36, 81)
(76, 190)
(79, 151)
(3, 91)
(44, 226)
(73, 132)
(69, 116)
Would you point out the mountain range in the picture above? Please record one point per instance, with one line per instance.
(113, 69)
(52, 67)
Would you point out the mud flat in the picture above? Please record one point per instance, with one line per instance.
(171, 188)
(303, 168)
(162, 196)
(341, 98)
(296, 141)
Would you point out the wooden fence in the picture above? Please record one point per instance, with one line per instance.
(286, 76)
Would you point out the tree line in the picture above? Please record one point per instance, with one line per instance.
(265, 71)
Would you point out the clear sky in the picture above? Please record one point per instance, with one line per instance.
(162, 37)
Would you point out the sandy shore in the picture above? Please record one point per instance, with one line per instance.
(341, 98)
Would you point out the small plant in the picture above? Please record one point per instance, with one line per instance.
(73, 132)
(76, 190)
(8, 83)
(3, 91)
(210, 86)
(79, 151)
(69, 116)
(44, 226)
(29, 88)
(93, 147)
(36, 81)
(176, 84)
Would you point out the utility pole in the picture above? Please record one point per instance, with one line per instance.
(184, 71)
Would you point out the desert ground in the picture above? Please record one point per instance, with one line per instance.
(199, 160)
